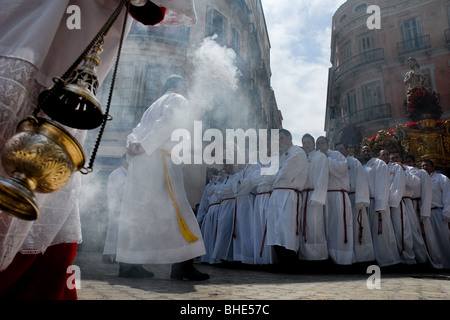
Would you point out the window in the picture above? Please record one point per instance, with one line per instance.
(361, 8)
(371, 94)
(351, 101)
(235, 41)
(346, 52)
(412, 33)
(366, 42)
(448, 15)
(216, 24)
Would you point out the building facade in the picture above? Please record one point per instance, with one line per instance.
(149, 55)
(366, 80)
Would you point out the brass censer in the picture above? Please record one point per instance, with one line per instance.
(42, 155)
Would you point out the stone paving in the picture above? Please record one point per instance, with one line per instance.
(100, 281)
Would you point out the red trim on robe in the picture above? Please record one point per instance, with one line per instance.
(40, 276)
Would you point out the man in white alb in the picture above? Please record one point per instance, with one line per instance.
(283, 212)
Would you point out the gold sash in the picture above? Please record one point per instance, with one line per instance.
(187, 234)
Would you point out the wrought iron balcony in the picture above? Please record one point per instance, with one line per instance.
(413, 45)
(378, 112)
(364, 58)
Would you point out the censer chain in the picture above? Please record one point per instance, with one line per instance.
(106, 115)
(59, 82)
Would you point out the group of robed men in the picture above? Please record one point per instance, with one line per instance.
(325, 204)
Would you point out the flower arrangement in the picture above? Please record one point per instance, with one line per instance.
(351, 134)
(422, 101)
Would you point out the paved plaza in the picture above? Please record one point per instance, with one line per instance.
(100, 281)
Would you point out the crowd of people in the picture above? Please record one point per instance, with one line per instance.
(327, 205)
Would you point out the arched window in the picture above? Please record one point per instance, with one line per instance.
(361, 8)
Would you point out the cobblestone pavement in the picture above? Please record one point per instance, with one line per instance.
(100, 281)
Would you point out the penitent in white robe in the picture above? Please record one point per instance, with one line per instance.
(399, 219)
(285, 202)
(338, 210)
(360, 199)
(421, 198)
(263, 254)
(440, 214)
(413, 238)
(157, 226)
(384, 242)
(244, 191)
(223, 248)
(313, 242)
(208, 222)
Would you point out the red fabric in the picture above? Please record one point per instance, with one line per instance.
(148, 14)
(40, 276)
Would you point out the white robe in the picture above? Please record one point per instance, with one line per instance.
(244, 190)
(421, 198)
(114, 191)
(338, 210)
(313, 242)
(207, 217)
(413, 240)
(150, 228)
(398, 207)
(440, 214)
(283, 212)
(223, 248)
(263, 254)
(35, 46)
(384, 242)
(360, 199)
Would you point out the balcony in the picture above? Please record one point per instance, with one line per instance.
(364, 58)
(414, 45)
(378, 112)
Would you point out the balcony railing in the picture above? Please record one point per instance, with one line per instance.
(364, 58)
(378, 112)
(447, 37)
(413, 45)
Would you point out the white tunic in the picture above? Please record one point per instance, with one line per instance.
(263, 254)
(413, 241)
(440, 214)
(360, 199)
(338, 210)
(223, 248)
(245, 191)
(157, 226)
(398, 206)
(35, 46)
(29, 62)
(421, 198)
(313, 242)
(207, 217)
(384, 242)
(283, 212)
(114, 191)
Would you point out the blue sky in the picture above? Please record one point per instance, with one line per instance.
(300, 37)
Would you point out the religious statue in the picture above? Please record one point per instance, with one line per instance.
(421, 101)
(415, 77)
